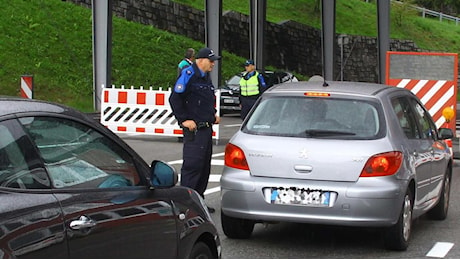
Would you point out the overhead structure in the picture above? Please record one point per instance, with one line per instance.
(213, 18)
(328, 40)
(102, 38)
(102, 47)
(383, 17)
(256, 32)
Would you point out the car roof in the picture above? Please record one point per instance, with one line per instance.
(15, 105)
(341, 87)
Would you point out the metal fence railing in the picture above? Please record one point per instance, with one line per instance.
(441, 16)
(426, 12)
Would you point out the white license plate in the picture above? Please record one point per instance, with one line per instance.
(229, 101)
(296, 196)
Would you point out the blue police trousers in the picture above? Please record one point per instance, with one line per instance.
(197, 152)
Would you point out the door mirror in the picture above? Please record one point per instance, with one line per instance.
(162, 175)
(445, 133)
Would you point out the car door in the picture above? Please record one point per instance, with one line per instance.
(437, 150)
(417, 147)
(109, 210)
(31, 223)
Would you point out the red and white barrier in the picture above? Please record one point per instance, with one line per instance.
(432, 77)
(27, 86)
(434, 94)
(140, 111)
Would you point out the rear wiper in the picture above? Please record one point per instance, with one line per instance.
(320, 133)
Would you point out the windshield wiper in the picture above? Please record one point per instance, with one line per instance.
(321, 133)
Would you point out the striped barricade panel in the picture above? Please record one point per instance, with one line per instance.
(432, 77)
(139, 111)
(434, 94)
(27, 86)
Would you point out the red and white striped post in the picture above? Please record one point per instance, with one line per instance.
(27, 86)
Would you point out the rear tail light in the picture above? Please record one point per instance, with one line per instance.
(235, 158)
(383, 164)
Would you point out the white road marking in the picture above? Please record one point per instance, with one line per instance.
(212, 190)
(218, 154)
(213, 162)
(232, 125)
(212, 177)
(440, 249)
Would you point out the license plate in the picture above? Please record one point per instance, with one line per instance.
(299, 196)
(229, 101)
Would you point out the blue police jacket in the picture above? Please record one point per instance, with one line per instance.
(193, 96)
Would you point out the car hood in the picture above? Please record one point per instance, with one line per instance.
(308, 158)
(231, 87)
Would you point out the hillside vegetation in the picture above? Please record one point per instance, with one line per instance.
(52, 40)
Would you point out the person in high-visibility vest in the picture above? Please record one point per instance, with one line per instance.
(252, 84)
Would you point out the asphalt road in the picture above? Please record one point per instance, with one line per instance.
(430, 239)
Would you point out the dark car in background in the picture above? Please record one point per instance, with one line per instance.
(229, 93)
(70, 188)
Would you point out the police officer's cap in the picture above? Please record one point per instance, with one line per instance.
(208, 54)
(249, 62)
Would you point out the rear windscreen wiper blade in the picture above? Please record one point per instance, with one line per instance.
(319, 133)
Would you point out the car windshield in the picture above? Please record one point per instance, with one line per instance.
(235, 80)
(315, 117)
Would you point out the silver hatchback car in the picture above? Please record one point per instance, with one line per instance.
(341, 153)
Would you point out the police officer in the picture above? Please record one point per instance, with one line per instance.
(252, 84)
(193, 104)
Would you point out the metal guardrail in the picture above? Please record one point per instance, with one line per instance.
(437, 14)
(426, 12)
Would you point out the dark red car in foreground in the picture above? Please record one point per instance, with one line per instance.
(70, 188)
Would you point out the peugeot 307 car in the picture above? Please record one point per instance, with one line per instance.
(336, 153)
(70, 188)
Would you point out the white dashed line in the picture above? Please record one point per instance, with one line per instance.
(440, 249)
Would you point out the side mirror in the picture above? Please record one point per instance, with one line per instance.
(445, 133)
(162, 175)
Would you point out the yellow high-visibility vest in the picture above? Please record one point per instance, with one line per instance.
(250, 87)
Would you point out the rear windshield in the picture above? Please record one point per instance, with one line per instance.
(316, 117)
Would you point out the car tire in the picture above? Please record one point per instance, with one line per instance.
(201, 251)
(236, 227)
(439, 212)
(397, 236)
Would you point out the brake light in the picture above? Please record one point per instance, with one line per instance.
(383, 164)
(235, 158)
(316, 94)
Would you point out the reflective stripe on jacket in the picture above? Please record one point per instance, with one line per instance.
(250, 87)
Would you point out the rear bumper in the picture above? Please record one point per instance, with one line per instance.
(367, 203)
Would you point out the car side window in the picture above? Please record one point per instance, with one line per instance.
(18, 168)
(406, 117)
(77, 156)
(427, 127)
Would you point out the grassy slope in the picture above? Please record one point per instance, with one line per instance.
(51, 40)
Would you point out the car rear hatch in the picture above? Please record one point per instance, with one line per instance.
(308, 158)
